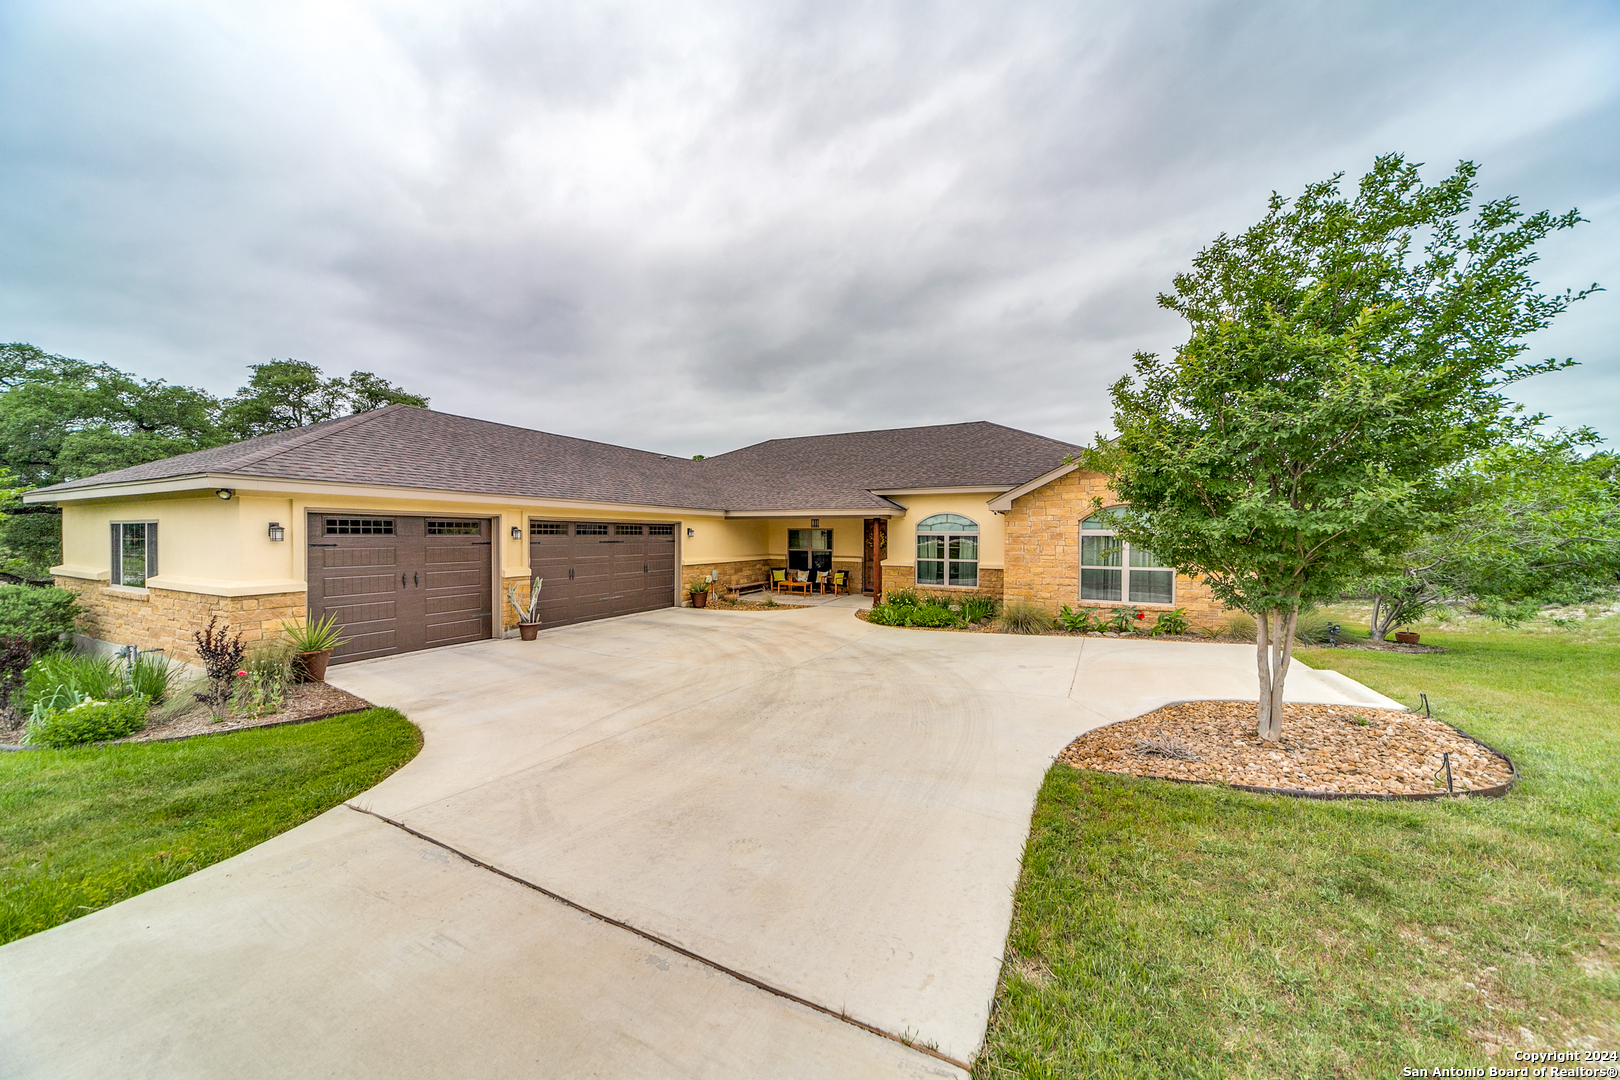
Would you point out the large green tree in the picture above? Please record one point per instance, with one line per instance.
(1346, 355)
(64, 419)
(1536, 520)
(285, 394)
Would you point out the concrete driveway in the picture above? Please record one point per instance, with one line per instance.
(716, 844)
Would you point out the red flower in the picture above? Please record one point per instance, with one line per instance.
(241, 673)
(1139, 615)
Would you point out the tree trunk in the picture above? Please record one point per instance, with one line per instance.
(1385, 616)
(1274, 649)
(1372, 624)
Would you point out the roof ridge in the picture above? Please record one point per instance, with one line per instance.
(316, 433)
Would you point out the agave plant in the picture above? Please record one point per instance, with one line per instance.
(530, 614)
(318, 636)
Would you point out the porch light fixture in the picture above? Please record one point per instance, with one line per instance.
(517, 533)
(277, 533)
(691, 532)
(225, 493)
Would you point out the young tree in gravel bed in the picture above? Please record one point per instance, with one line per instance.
(1347, 354)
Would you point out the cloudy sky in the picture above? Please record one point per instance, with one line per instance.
(688, 226)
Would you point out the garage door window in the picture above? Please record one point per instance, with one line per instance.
(359, 527)
(453, 528)
(590, 529)
(627, 530)
(548, 528)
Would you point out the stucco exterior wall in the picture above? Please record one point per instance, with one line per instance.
(1043, 551)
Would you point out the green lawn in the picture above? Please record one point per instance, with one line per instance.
(1176, 930)
(84, 828)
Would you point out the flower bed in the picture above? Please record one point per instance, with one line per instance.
(1337, 751)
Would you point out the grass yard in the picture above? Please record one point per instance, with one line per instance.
(1172, 930)
(84, 828)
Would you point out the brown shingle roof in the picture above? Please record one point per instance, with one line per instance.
(403, 446)
(842, 471)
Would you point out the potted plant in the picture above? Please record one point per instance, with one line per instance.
(528, 617)
(1406, 637)
(314, 642)
(698, 590)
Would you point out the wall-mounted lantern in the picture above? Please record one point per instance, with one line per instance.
(517, 533)
(225, 493)
(277, 533)
(691, 532)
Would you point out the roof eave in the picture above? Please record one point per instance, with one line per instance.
(1003, 502)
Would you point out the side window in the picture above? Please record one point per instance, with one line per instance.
(1112, 570)
(134, 553)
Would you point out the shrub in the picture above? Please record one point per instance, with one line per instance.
(1171, 622)
(977, 609)
(1240, 626)
(15, 656)
(1122, 620)
(901, 597)
(1312, 628)
(1076, 622)
(1023, 617)
(64, 679)
(221, 652)
(151, 675)
(42, 617)
(87, 722)
(263, 690)
(931, 615)
(887, 615)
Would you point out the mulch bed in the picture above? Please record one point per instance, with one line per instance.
(1341, 750)
(308, 701)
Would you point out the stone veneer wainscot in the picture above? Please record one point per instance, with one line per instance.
(155, 618)
(1043, 551)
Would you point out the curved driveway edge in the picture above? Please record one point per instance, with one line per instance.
(834, 810)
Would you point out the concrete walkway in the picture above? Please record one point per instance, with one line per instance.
(684, 843)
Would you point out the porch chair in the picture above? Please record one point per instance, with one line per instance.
(838, 580)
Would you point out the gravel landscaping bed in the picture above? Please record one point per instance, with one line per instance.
(1332, 749)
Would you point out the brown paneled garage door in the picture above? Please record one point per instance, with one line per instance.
(398, 584)
(594, 569)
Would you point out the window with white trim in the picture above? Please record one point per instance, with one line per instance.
(1113, 570)
(134, 553)
(948, 551)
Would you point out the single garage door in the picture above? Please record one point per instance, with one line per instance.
(594, 569)
(398, 584)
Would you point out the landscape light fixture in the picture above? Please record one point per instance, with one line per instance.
(225, 493)
(277, 533)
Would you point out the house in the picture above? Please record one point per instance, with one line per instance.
(408, 524)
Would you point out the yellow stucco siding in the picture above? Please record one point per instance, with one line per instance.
(719, 540)
(972, 505)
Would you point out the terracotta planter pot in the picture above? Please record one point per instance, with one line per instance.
(1406, 637)
(700, 599)
(527, 630)
(315, 664)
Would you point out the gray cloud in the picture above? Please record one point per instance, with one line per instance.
(689, 226)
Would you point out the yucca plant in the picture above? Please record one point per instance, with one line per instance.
(320, 635)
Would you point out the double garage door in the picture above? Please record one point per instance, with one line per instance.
(397, 584)
(594, 569)
(401, 583)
